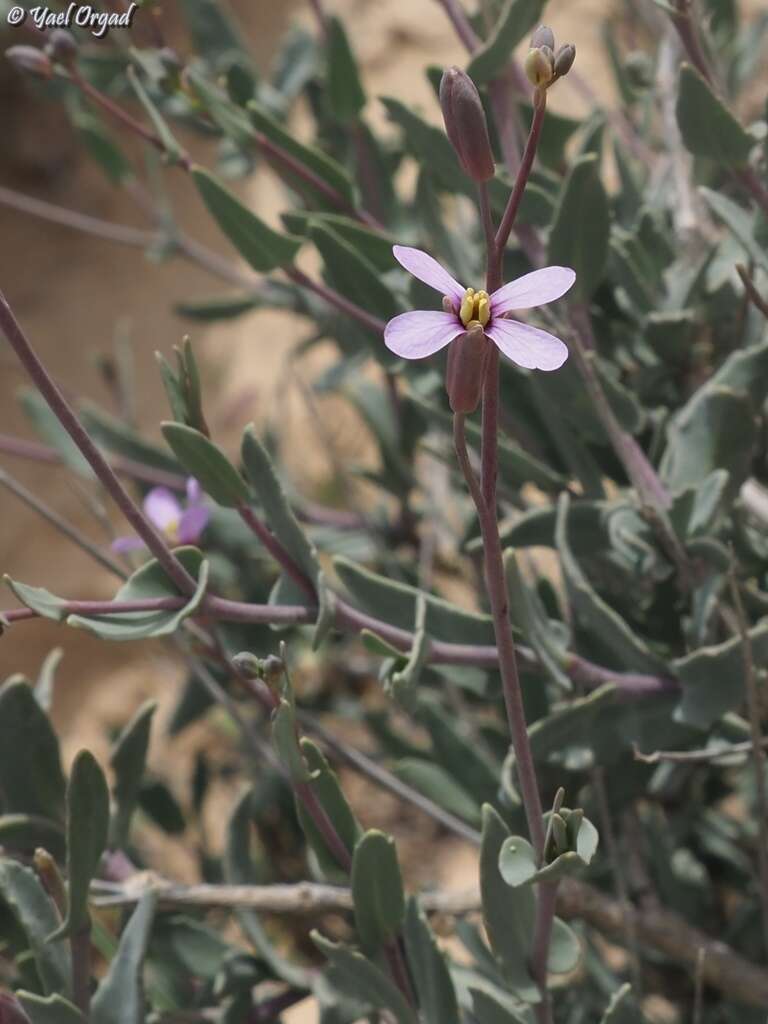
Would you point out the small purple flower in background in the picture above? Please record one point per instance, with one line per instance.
(180, 522)
(421, 333)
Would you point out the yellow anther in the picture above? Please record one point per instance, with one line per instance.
(475, 308)
(467, 306)
(171, 531)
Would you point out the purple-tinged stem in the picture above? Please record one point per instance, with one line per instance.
(526, 164)
(276, 549)
(334, 298)
(80, 954)
(59, 523)
(351, 620)
(753, 294)
(689, 37)
(546, 904)
(507, 660)
(116, 112)
(458, 18)
(66, 416)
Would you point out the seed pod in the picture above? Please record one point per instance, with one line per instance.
(543, 36)
(540, 66)
(465, 124)
(31, 60)
(465, 371)
(564, 59)
(62, 47)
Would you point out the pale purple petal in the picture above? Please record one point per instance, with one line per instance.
(192, 523)
(122, 545)
(194, 491)
(534, 289)
(162, 507)
(421, 333)
(527, 346)
(428, 270)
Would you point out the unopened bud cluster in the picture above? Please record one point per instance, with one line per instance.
(60, 48)
(544, 63)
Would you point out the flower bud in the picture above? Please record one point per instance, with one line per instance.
(465, 371)
(62, 47)
(50, 877)
(31, 60)
(540, 66)
(564, 59)
(543, 36)
(465, 124)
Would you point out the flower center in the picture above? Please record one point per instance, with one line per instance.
(171, 531)
(475, 308)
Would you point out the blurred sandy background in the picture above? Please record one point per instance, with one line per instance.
(71, 292)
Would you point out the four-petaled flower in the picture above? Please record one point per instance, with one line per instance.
(180, 522)
(423, 332)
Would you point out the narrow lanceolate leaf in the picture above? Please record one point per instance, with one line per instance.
(708, 128)
(516, 20)
(508, 913)
(351, 273)
(128, 758)
(606, 627)
(53, 1009)
(150, 581)
(87, 825)
(205, 461)
(325, 785)
(31, 779)
(377, 891)
(35, 912)
(579, 236)
(362, 980)
(271, 496)
(173, 150)
(258, 244)
(429, 969)
(119, 998)
(345, 91)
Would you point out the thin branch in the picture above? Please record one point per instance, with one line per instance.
(753, 294)
(662, 930)
(83, 222)
(458, 18)
(72, 425)
(703, 756)
(59, 523)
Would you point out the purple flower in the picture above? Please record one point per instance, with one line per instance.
(180, 522)
(423, 332)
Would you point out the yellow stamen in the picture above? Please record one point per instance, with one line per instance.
(475, 308)
(172, 531)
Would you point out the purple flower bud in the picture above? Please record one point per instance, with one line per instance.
(465, 370)
(465, 124)
(564, 59)
(540, 66)
(543, 36)
(62, 47)
(30, 60)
